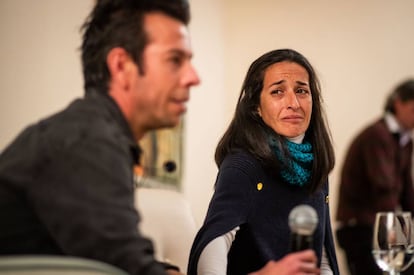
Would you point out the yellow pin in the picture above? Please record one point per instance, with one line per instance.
(259, 186)
(327, 199)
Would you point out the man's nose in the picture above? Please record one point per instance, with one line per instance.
(191, 77)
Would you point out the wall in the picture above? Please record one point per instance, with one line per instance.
(40, 70)
(205, 119)
(359, 48)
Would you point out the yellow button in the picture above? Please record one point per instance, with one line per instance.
(259, 186)
(327, 199)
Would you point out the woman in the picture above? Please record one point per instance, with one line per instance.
(275, 155)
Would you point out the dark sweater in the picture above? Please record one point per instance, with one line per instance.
(66, 187)
(261, 214)
(376, 176)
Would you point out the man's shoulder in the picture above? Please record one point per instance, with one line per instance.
(373, 131)
(81, 119)
(80, 122)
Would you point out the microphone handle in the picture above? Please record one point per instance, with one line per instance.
(300, 242)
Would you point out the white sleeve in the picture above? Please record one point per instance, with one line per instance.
(325, 267)
(213, 258)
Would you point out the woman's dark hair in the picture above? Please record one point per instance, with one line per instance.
(119, 23)
(404, 92)
(248, 132)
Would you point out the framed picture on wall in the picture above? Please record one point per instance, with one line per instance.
(161, 159)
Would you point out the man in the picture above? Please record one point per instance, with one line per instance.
(66, 183)
(376, 176)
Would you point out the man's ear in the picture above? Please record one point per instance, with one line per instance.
(120, 65)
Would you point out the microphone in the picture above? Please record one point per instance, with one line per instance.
(303, 220)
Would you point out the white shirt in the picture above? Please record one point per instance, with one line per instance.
(213, 258)
(395, 127)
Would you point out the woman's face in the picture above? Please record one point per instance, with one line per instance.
(286, 100)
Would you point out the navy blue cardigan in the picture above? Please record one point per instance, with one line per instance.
(261, 213)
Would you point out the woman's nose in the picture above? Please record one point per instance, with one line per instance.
(292, 100)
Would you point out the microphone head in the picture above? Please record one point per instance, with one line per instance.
(303, 220)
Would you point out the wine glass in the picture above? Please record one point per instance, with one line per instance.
(392, 245)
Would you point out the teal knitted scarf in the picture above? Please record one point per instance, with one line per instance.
(298, 163)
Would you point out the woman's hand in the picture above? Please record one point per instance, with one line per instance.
(303, 262)
(173, 272)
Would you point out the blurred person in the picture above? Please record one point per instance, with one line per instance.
(66, 182)
(275, 154)
(376, 176)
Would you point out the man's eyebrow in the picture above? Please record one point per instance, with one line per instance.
(181, 53)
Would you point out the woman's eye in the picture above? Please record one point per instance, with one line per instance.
(276, 92)
(302, 91)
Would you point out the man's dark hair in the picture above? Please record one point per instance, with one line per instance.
(248, 132)
(119, 23)
(404, 92)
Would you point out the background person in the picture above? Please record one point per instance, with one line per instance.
(376, 176)
(66, 183)
(275, 155)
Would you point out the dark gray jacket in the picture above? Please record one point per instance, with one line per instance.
(66, 187)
